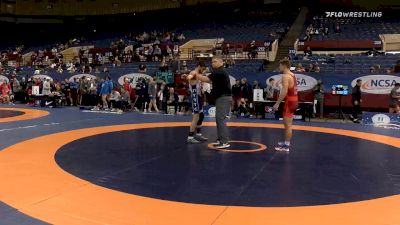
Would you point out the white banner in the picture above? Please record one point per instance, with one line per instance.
(377, 84)
(304, 82)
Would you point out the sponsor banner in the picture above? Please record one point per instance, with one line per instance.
(133, 77)
(79, 76)
(383, 120)
(377, 84)
(41, 77)
(209, 111)
(304, 82)
(3, 78)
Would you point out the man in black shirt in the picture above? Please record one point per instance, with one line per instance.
(222, 93)
(356, 99)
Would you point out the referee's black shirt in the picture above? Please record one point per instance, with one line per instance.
(221, 84)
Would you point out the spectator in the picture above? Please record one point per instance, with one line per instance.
(83, 90)
(106, 89)
(115, 100)
(270, 89)
(184, 67)
(319, 93)
(236, 95)
(141, 93)
(5, 92)
(299, 68)
(356, 100)
(394, 102)
(246, 91)
(310, 68)
(157, 53)
(252, 54)
(172, 99)
(142, 68)
(256, 85)
(229, 61)
(308, 51)
(375, 69)
(161, 96)
(46, 90)
(152, 91)
(125, 99)
(16, 89)
(164, 66)
(317, 69)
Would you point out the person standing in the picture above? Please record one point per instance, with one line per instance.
(356, 100)
(269, 90)
(46, 87)
(289, 95)
(105, 91)
(236, 94)
(152, 91)
(394, 105)
(319, 93)
(197, 105)
(222, 93)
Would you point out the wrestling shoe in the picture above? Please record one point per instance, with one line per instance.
(191, 140)
(282, 147)
(200, 137)
(217, 142)
(222, 145)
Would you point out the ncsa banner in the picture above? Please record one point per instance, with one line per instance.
(133, 77)
(304, 82)
(383, 120)
(377, 84)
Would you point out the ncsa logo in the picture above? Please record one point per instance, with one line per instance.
(377, 84)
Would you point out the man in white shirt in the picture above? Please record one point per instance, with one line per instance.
(46, 87)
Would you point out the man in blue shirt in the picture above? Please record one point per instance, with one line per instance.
(105, 91)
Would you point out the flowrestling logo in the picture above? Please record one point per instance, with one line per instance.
(377, 84)
(304, 82)
(354, 14)
(132, 77)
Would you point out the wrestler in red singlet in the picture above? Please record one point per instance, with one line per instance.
(291, 99)
(288, 94)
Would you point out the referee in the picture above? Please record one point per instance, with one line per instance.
(222, 93)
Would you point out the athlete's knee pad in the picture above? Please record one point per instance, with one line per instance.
(201, 118)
